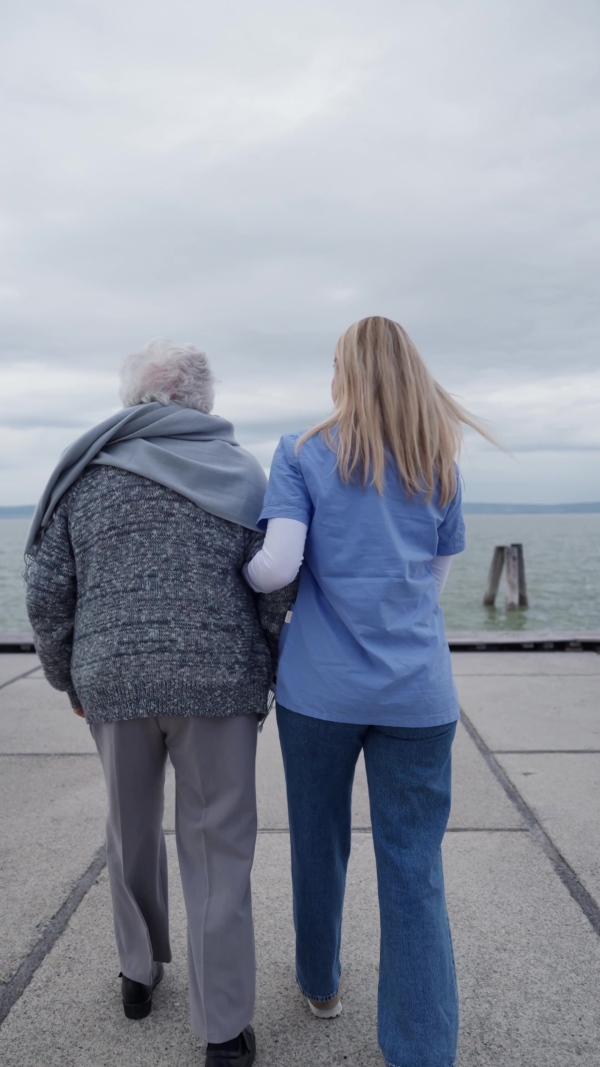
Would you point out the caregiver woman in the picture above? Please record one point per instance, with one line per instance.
(372, 498)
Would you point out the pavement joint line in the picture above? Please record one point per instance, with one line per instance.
(546, 751)
(13, 989)
(527, 674)
(369, 830)
(487, 830)
(562, 868)
(19, 676)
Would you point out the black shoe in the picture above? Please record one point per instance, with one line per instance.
(238, 1053)
(137, 997)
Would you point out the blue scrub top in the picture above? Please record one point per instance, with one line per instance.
(366, 643)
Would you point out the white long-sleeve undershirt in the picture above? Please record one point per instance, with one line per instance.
(280, 558)
(440, 568)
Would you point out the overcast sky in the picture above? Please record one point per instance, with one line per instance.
(254, 176)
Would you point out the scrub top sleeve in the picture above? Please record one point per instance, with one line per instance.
(451, 531)
(287, 495)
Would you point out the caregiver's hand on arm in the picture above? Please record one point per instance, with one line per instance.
(279, 560)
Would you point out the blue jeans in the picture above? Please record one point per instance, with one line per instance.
(409, 777)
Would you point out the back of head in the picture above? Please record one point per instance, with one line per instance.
(168, 373)
(387, 403)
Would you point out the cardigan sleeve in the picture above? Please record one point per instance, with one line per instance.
(272, 607)
(51, 599)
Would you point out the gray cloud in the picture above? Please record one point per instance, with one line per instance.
(255, 177)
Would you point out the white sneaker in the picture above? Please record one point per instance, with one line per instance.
(326, 1009)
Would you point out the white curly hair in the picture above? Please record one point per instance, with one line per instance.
(168, 373)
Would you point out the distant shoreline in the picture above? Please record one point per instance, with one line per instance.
(531, 509)
(23, 512)
(26, 511)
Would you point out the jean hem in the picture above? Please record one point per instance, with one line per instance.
(320, 999)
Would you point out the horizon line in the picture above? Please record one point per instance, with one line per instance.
(466, 504)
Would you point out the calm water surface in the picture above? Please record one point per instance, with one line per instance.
(13, 533)
(562, 563)
(562, 569)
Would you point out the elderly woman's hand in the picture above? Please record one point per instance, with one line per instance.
(80, 712)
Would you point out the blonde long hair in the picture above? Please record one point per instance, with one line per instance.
(386, 400)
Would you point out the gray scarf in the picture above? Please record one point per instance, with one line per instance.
(194, 454)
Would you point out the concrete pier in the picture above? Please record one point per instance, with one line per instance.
(522, 864)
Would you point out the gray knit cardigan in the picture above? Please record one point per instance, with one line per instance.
(139, 608)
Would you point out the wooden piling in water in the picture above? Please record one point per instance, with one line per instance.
(512, 558)
(495, 573)
(523, 599)
(511, 562)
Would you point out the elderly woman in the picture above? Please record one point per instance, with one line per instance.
(141, 615)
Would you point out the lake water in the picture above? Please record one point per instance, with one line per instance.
(562, 564)
(562, 569)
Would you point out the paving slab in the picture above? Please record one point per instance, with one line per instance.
(37, 718)
(527, 958)
(71, 1014)
(524, 663)
(564, 792)
(478, 800)
(53, 814)
(544, 712)
(529, 969)
(13, 664)
(34, 717)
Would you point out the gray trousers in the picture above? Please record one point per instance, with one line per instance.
(215, 825)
